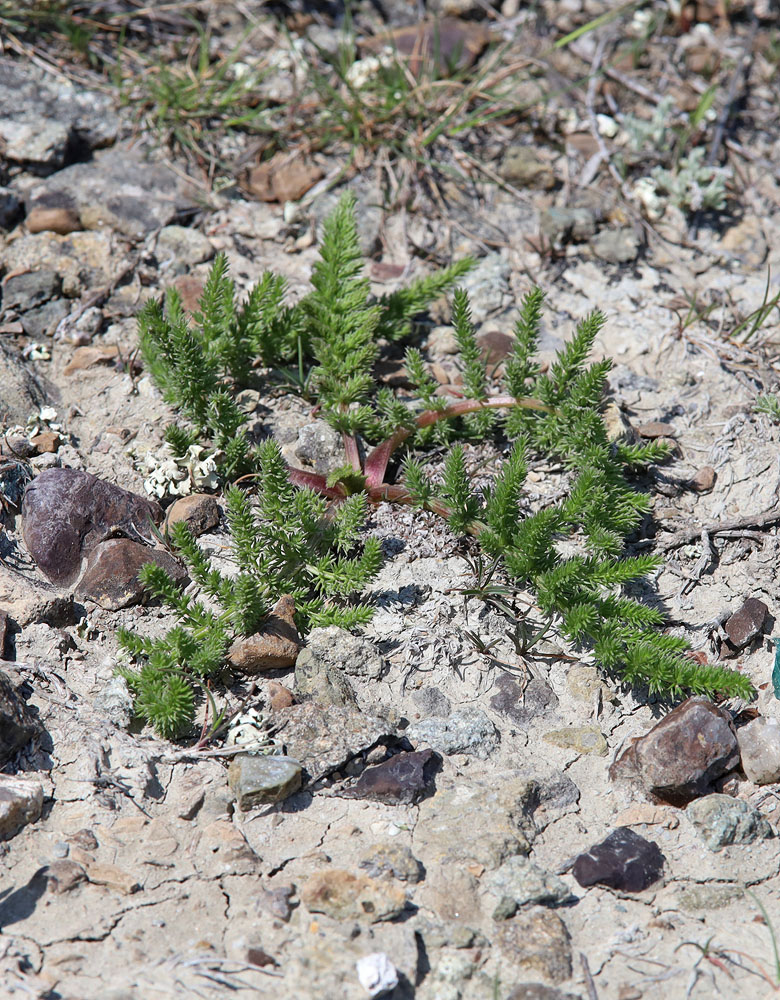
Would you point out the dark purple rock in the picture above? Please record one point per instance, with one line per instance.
(522, 706)
(401, 780)
(623, 860)
(66, 513)
(17, 723)
(680, 757)
(746, 623)
(110, 577)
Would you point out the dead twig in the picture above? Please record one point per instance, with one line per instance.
(762, 520)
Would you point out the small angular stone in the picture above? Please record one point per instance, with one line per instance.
(279, 696)
(392, 859)
(704, 480)
(466, 731)
(199, 511)
(275, 647)
(583, 739)
(113, 877)
(523, 706)
(537, 941)
(680, 757)
(110, 577)
(65, 875)
(655, 429)
(519, 882)
(745, 624)
(344, 896)
(67, 512)
(62, 220)
(495, 346)
(759, 750)
(21, 802)
(376, 973)
(623, 860)
(258, 780)
(721, 820)
(17, 723)
(403, 779)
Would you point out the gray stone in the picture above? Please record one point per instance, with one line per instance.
(115, 703)
(616, 246)
(523, 166)
(522, 706)
(432, 701)
(333, 652)
(17, 723)
(323, 739)
(119, 189)
(701, 898)
(519, 882)
(488, 286)
(392, 859)
(721, 820)
(179, 248)
(21, 802)
(759, 750)
(42, 321)
(258, 780)
(321, 682)
(561, 225)
(22, 394)
(26, 291)
(538, 991)
(320, 447)
(45, 117)
(500, 822)
(467, 731)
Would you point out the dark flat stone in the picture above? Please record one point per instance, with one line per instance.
(402, 779)
(110, 577)
(623, 860)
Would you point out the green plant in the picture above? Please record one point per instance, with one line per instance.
(769, 404)
(290, 543)
(694, 185)
(571, 554)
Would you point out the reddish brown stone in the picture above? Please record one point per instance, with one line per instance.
(655, 429)
(276, 647)
(199, 511)
(680, 757)
(46, 441)
(66, 513)
(279, 696)
(110, 577)
(745, 624)
(495, 346)
(704, 480)
(403, 779)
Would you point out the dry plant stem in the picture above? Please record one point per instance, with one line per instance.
(750, 521)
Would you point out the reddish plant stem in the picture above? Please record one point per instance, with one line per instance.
(378, 457)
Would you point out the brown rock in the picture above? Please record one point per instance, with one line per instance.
(53, 220)
(745, 624)
(279, 696)
(276, 647)
(704, 479)
(495, 346)
(66, 513)
(114, 877)
(199, 511)
(65, 875)
(655, 429)
(46, 441)
(110, 577)
(404, 778)
(87, 356)
(680, 757)
(344, 896)
(285, 177)
(537, 941)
